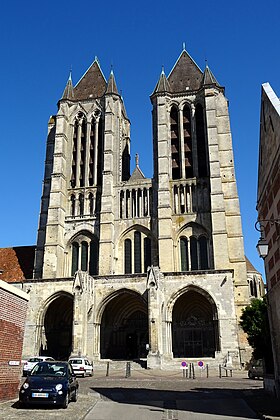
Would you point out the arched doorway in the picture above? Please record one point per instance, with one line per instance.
(124, 328)
(194, 326)
(58, 326)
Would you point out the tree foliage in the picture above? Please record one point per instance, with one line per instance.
(254, 321)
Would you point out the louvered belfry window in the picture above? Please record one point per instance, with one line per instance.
(175, 144)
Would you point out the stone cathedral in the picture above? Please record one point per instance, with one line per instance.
(132, 268)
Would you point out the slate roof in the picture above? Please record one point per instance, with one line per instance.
(209, 78)
(112, 86)
(17, 263)
(92, 85)
(185, 75)
(249, 266)
(68, 91)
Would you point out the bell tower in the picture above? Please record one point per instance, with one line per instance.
(88, 149)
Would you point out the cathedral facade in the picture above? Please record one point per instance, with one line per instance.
(128, 267)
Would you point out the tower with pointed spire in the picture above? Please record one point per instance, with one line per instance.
(122, 260)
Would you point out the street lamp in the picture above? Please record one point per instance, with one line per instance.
(262, 245)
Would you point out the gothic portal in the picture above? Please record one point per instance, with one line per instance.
(129, 267)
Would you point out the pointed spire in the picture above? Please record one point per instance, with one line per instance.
(208, 77)
(137, 173)
(68, 91)
(92, 84)
(111, 85)
(162, 84)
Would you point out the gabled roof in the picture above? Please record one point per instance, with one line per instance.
(162, 85)
(185, 75)
(17, 263)
(209, 78)
(112, 86)
(92, 84)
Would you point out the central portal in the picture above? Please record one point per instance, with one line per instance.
(124, 327)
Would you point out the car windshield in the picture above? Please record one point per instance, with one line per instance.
(35, 359)
(49, 369)
(76, 361)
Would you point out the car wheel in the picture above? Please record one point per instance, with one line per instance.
(66, 401)
(250, 375)
(75, 395)
(84, 375)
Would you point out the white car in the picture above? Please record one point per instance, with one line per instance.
(81, 366)
(32, 361)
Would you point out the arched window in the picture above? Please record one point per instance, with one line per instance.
(184, 254)
(147, 253)
(81, 204)
(75, 258)
(83, 153)
(90, 199)
(188, 141)
(137, 252)
(193, 249)
(201, 142)
(72, 205)
(175, 144)
(203, 253)
(93, 260)
(84, 257)
(91, 153)
(127, 257)
(74, 155)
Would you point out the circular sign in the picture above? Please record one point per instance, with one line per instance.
(200, 364)
(184, 364)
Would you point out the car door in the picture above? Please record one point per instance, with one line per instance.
(71, 379)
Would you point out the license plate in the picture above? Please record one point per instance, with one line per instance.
(40, 395)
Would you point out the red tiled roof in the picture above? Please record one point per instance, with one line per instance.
(16, 264)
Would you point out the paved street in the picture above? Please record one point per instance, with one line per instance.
(155, 396)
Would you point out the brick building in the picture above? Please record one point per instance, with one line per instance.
(268, 206)
(13, 308)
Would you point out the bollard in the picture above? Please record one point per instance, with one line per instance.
(107, 371)
(207, 370)
(193, 371)
(220, 371)
(128, 370)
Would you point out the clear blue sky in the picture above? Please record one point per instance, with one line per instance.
(40, 41)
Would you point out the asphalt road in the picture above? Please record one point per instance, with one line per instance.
(155, 396)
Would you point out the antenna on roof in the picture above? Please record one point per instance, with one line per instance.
(137, 159)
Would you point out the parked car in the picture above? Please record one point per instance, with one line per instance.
(256, 369)
(32, 361)
(50, 383)
(81, 366)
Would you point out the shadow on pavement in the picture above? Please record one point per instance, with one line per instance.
(215, 401)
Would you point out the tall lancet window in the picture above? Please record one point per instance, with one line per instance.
(82, 153)
(201, 142)
(91, 153)
(74, 155)
(175, 144)
(187, 129)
